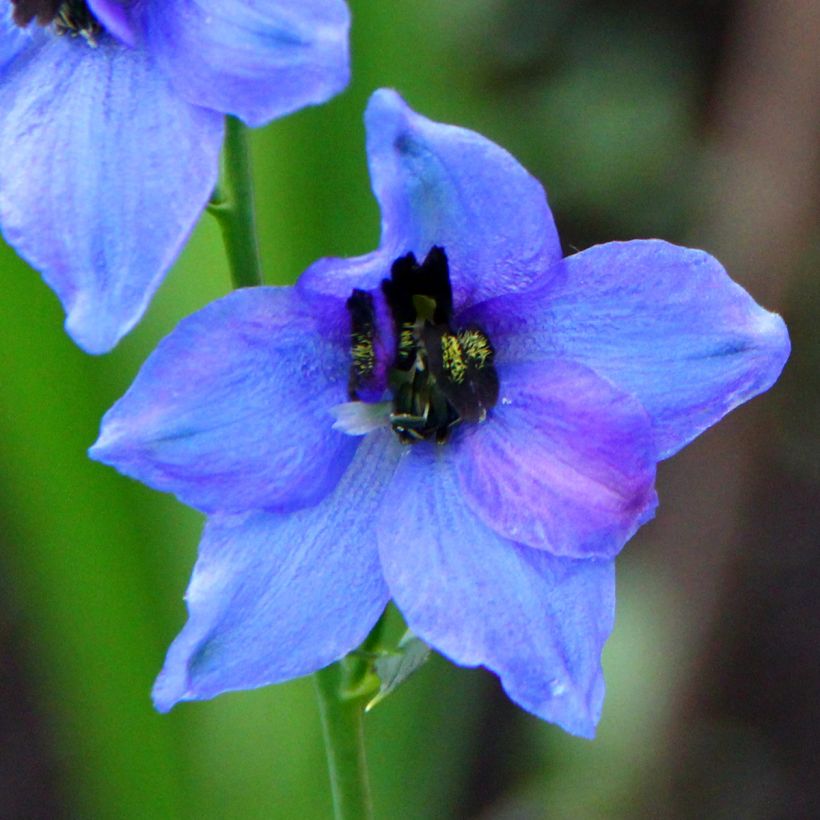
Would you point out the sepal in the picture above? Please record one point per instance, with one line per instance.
(394, 667)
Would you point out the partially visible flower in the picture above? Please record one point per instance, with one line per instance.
(499, 412)
(111, 121)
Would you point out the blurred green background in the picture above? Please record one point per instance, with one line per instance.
(693, 121)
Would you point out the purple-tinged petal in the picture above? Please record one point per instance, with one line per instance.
(258, 59)
(564, 462)
(336, 276)
(277, 596)
(442, 185)
(663, 322)
(537, 621)
(103, 173)
(118, 17)
(232, 411)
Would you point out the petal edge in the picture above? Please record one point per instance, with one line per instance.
(537, 621)
(274, 597)
(663, 322)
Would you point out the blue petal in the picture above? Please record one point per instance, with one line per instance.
(537, 621)
(442, 185)
(663, 322)
(258, 59)
(232, 411)
(564, 462)
(103, 173)
(336, 276)
(14, 39)
(275, 596)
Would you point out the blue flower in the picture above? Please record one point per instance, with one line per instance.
(462, 421)
(111, 121)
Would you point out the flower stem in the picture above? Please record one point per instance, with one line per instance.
(232, 205)
(342, 721)
(344, 689)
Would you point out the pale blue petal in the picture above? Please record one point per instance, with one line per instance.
(442, 185)
(564, 462)
(258, 59)
(233, 410)
(537, 621)
(275, 596)
(13, 39)
(103, 173)
(663, 322)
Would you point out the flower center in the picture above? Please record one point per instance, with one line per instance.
(439, 376)
(65, 16)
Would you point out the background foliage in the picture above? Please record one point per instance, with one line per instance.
(693, 121)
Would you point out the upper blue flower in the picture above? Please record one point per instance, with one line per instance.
(111, 120)
(528, 399)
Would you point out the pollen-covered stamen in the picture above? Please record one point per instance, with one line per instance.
(453, 361)
(66, 16)
(406, 347)
(462, 364)
(362, 341)
(476, 347)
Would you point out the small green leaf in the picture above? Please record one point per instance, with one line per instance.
(395, 667)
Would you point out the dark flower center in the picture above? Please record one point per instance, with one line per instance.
(66, 16)
(440, 376)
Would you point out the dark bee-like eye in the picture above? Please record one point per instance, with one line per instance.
(67, 16)
(44, 11)
(440, 376)
(409, 280)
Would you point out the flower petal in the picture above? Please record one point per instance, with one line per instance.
(442, 185)
(277, 596)
(336, 276)
(103, 173)
(537, 621)
(118, 17)
(564, 461)
(232, 411)
(663, 322)
(13, 39)
(258, 59)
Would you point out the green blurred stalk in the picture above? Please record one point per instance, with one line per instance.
(344, 688)
(232, 205)
(343, 726)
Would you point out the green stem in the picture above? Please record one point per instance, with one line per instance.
(344, 688)
(232, 205)
(342, 721)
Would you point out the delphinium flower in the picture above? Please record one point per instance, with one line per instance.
(463, 421)
(111, 121)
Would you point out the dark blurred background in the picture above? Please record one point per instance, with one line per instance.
(692, 121)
